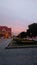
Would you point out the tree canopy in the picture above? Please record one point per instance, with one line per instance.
(32, 29)
(22, 35)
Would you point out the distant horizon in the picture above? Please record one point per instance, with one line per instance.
(14, 32)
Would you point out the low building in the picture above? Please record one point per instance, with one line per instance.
(5, 32)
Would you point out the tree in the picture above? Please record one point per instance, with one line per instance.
(22, 35)
(32, 29)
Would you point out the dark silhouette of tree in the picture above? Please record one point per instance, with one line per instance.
(32, 31)
(22, 35)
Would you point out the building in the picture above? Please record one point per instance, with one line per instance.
(5, 32)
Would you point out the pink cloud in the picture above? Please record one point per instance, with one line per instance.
(16, 25)
(17, 30)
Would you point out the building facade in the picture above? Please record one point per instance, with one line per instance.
(5, 32)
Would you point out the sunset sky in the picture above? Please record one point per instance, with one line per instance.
(18, 14)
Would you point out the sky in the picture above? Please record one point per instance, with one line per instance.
(18, 14)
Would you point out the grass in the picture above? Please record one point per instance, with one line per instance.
(19, 43)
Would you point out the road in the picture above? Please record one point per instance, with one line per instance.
(4, 42)
(24, 56)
